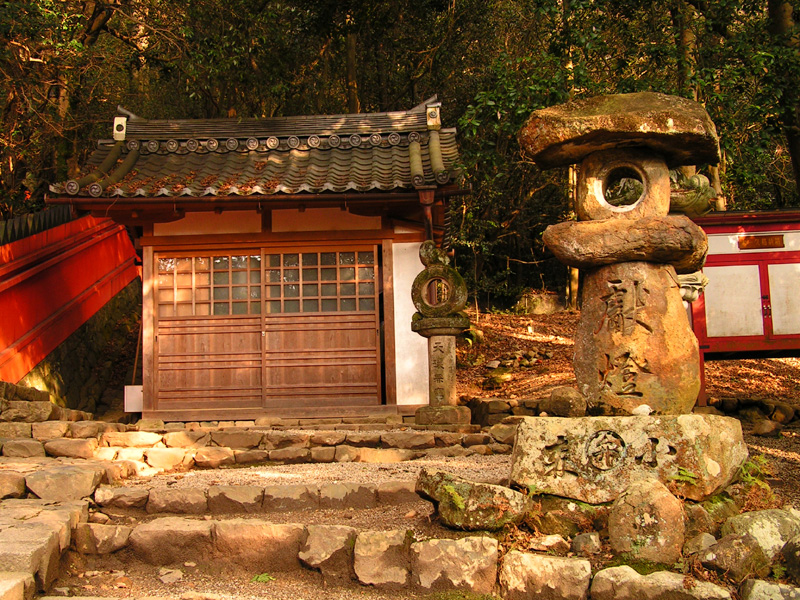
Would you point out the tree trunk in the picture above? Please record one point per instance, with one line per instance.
(683, 15)
(353, 105)
(782, 25)
(573, 288)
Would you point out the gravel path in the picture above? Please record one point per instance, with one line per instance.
(490, 469)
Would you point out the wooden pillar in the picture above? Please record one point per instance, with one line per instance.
(426, 200)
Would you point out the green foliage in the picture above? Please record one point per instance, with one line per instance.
(262, 578)
(65, 65)
(755, 471)
(685, 476)
(454, 497)
(472, 336)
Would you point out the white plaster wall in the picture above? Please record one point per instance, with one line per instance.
(206, 223)
(321, 219)
(733, 301)
(411, 349)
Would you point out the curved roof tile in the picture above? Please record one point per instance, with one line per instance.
(261, 157)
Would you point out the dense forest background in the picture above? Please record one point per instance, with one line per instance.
(65, 65)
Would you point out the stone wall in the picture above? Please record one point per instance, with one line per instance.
(89, 369)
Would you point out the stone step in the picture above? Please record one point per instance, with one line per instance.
(391, 559)
(16, 585)
(151, 452)
(250, 499)
(33, 536)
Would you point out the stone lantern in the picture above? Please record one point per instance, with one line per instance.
(635, 352)
(439, 295)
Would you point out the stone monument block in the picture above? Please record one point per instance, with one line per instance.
(595, 459)
(633, 345)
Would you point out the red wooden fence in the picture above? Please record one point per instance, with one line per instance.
(53, 282)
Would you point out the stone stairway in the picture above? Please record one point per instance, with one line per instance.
(150, 448)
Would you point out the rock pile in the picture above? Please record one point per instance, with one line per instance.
(20, 404)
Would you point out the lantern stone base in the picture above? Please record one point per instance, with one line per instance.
(443, 415)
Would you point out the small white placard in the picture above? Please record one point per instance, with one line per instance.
(133, 398)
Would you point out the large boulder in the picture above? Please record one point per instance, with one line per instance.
(647, 523)
(595, 459)
(756, 589)
(771, 529)
(462, 504)
(563, 402)
(737, 557)
(674, 127)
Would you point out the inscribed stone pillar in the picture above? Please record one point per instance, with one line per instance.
(439, 294)
(442, 370)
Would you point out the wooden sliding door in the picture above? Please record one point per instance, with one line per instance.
(322, 329)
(268, 328)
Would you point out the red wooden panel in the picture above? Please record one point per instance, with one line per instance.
(53, 282)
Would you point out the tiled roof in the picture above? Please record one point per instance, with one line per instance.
(399, 151)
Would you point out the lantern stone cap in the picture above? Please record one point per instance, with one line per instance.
(678, 129)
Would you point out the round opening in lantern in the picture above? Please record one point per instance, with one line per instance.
(437, 292)
(623, 187)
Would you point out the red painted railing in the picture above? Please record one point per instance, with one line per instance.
(51, 283)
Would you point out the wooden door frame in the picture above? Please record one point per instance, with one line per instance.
(384, 238)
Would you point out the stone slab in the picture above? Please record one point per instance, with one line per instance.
(258, 545)
(466, 564)
(172, 539)
(23, 448)
(68, 482)
(674, 127)
(594, 459)
(526, 575)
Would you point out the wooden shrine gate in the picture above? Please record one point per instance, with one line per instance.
(267, 328)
